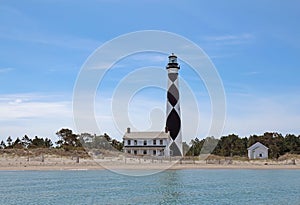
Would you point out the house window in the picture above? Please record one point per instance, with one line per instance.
(154, 152)
(161, 142)
(145, 142)
(135, 142)
(154, 142)
(128, 142)
(135, 152)
(260, 155)
(128, 151)
(145, 152)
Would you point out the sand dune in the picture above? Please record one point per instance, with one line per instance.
(115, 163)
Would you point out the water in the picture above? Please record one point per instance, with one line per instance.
(169, 187)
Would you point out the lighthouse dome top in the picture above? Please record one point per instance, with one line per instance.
(173, 62)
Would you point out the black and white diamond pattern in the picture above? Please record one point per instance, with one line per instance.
(173, 112)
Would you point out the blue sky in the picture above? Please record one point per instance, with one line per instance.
(254, 45)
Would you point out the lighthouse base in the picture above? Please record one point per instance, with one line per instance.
(175, 151)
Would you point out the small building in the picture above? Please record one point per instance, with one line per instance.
(258, 151)
(147, 143)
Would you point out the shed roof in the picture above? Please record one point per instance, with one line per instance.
(257, 145)
(146, 135)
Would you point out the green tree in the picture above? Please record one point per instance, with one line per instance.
(101, 142)
(86, 140)
(252, 140)
(2, 145)
(17, 144)
(38, 142)
(9, 141)
(185, 148)
(231, 145)
(48, 143)
(292, 144)
(25, 141)
(67, 139)
(117, 145)
(209, 145)
(196, 146)
(108, 138)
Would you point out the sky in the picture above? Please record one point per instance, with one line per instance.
(254, 45)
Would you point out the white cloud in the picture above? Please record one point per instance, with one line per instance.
(251, 73)
(104, 66)
(43, 115)
(19, 109)
(33, 114)
(65, 41)
(244, 36)
(5, 70)
(230, 39)
(249, 115)
(144, 58)
(16, 101)
(150, 57)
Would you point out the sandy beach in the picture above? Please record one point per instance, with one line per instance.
(122, 163)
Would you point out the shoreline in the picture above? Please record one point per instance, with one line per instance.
(16, 165)
(70, 168)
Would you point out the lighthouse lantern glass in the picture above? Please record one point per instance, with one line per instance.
(173, 59)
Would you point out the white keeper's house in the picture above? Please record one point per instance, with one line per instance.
(147, 143)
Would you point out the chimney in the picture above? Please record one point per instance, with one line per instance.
(166, 129)
(128, 130)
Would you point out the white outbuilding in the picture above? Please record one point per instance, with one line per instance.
(258, 151)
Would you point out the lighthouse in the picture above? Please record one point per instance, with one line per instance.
(173, 122)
